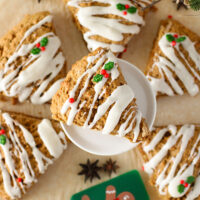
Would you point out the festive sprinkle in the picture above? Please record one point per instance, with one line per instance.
(173, 43)
(71, 100)
(127, 6)
(185, 184)
(125, 13)
(37, 45)
(182, 181)
(170, 37)
(109, 66)
(120, 6)
(125, 50)
(142, 168)
(181, 39)
(176, 35)
(19, 180)
(190, 179)
(35, 51)
(42, 48)
(97, 78)
(2, 131)
(106, 75)
(132, 10)
(2, 139)
(180, 188)
(169, 16)
(103, 72)
(44, 42)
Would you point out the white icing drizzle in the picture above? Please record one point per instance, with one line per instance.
(111, 29)
(120, 98)
(9, 173)
(170, 176)
(195, 192)
(43, 67)
(174, 64)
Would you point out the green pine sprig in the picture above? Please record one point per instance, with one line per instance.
(194, 4)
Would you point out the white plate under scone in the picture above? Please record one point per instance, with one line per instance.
(96, 143)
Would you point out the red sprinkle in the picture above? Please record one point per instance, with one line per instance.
(42, 48)
(71, 100)
(173, 43)
(142, 168)
(19, 180)
(127, 6)
(169, 16)
(186, 185)
(2, 131)
(106, 75)
(125, 50)
(125, 13)
(103, 72)
(182, 182)
(37, 45)
(176, 35)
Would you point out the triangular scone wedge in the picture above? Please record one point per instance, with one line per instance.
(172, 159)
(108, 24)
(27, 146)
(174, 64)
(31, 61)
(95, 95)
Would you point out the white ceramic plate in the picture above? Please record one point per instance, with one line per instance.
(96, 143)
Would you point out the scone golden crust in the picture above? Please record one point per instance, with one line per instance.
(27, 146)
(95, 95)
(173, 67)
(172, 159)
(31, 61)
(108, 24)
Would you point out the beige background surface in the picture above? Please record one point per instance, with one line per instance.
(61, 180)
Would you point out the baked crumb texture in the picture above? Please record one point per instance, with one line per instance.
(172, 159)
(95, 95)
(108, 24)
(31, 61)
(174, 63)
(27, 147)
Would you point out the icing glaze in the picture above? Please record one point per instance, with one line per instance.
(172, 64)
(171, 174)
(120, 98)
(108, 28)
(43, 68)
(9, 173)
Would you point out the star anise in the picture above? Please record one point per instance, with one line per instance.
(110, 166)
(90, 170)
(181, 3)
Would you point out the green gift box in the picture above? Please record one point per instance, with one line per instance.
(128, 186)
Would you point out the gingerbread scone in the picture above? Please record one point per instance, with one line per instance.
(95, 95)
(172, 159)
(174, 64)
(32, 65)
(108, 24)
(27, 146)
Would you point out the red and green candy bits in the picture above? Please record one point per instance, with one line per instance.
(107, 67)
(40, 46)
(173, 39)
(126, 8)
(2, 136)
(184, 184)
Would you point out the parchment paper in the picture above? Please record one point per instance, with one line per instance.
(61, 180)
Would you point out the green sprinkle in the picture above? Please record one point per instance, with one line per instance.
(180, 188)
(44, 42)
(190, 179)
(35, 51)
(181, 39)
(109, 66)
(120, 6)
(2, 139)
(170, 37)
(132, 10)
(98, 78)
